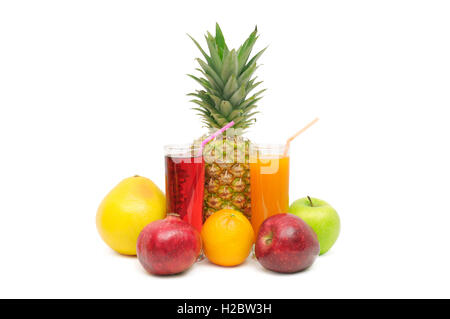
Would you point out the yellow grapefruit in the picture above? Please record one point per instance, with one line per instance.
(126, 210)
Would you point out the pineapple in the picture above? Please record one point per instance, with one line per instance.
(226, 80)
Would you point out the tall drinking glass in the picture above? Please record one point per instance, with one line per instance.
(269, 178)
(185, 183)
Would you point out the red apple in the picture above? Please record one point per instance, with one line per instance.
(168, 246)
(286, 244)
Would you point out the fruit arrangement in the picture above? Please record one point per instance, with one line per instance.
(224, 194)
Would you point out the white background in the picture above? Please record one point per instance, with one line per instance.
(90, 91)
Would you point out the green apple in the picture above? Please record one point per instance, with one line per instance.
(321, 217)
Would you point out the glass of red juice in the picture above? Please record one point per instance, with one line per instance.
(185, 182)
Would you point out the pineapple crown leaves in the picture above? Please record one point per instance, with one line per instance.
(227, 79)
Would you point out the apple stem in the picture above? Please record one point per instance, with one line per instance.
(310, 201)
(268, 239)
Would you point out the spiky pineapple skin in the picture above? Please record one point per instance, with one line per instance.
(227, 176)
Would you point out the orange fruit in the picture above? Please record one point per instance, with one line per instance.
(227, 237)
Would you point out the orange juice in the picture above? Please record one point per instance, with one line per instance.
(269, 178)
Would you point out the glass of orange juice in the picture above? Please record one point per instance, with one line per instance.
(269, 178)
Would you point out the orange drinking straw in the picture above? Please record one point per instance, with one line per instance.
(289, 140)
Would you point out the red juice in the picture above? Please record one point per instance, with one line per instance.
(184, 188)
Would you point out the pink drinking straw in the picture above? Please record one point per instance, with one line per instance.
(223, 129)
